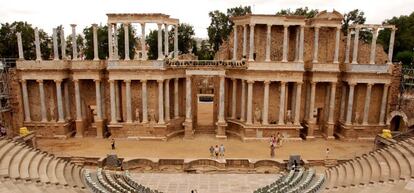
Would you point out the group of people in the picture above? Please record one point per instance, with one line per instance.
(217, 152)
(275, 141)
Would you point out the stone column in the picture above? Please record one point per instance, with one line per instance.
(59, 100)
(37, 44)
(332, 103)
(355, 51)
(160, 102)
(67, 100)
(383, 104)
(188, 116)
(167, 99)
(159, 33)
(98, 99)
(391, 46)
(78, 101)
(63, 44)
(343, 101)
(113, 101)
(243, 101)
(301, 43)
(373, 45)
(26, 102)
(367, 103)
(312, 102)
(268, 42)
(348, 46)
(350, 103)
(285, 43)
(281, 120)
(233, 99)
(297, 44)
(221, 101)
(265, 113)
(249, 101)
(55, 45)
(144, 101)
(95, 42)
(297, 103)
(244, 41)
(74, 44)
(128, 100)
(176, 42)
(337, 38)
(251, 44)
(176, 110)
(126, 38)
(143, 44)
(110, 42)
(118, 105)
(166, 46)
(316, 45)
(42, 101)
(20, 45)
(116, 53)
(235, 42)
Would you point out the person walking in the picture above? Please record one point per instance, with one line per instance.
(216, 151)
(272, 150)
(113, 143)
(221, 149)
(327, 153)
(211, 152)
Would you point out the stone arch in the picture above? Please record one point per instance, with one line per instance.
(397, 119)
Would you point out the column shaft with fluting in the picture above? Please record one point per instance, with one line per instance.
(350, 104)
(285, 43)
(126, 39)
(297, 103)
(367, 104)
(167, 99)
(95, 42)
(265, 115)
(337, 41)
(316, 46)
(78, 101)
(243, 101)
(233, 98)
(355, 51)
(144, 101)
(128, 100)
(383, 104)
(235, 42)
(251, 44)
(332, 103)
(176, 109)
(249, 102)
(281, 120)
(113, 101)
(268, 42)
(26, 102)
(221, 101)
(55, 45)
(37, 45)
(61, 116)
(42, 101)
(98, 99)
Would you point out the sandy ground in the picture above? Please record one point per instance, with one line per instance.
(199, 148)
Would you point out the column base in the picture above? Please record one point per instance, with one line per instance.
(80, 128)
(329, 131)
(221, 130)
(188, 130)
(99, 129)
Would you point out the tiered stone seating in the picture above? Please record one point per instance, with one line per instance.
(26, 170)
(392, 163)
(293, 182)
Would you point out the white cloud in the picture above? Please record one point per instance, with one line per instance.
(47, 14)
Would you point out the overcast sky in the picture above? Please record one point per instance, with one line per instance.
(47, 14)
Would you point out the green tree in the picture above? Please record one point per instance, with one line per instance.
(221, 25)
(121, 41)
(308, 13)
(152, 42)
(8, 41)
(355, 16)
(185, 38)
(79, 45)
(205, 52)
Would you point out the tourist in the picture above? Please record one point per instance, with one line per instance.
(327, 153)
(279, 139)
(113, 143)
(271, 140)
(221, 149)
(211, 151)
(2, 130)
(216, 151)
(272, 150)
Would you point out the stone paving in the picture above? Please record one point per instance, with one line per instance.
(204, 183)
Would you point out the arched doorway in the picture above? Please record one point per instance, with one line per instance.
(397, 121)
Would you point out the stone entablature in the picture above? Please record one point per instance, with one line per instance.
(141, 18)
(228, 64)
(252, 19)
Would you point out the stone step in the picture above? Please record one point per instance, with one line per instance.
(10, 187)
(25, 166)
(68, 174)
(404, 165)
(16, 162)
(408, 155)
(356, 167)
(6, 161)
(43, 169)
(51, 171)
(34, 166)
(350, 174)
(395, 170)
(365, 170)
(382, 168)
(387, 173)
(342, 175)
(77, 177)
(60, 172)
(27, 187)
(5, 149)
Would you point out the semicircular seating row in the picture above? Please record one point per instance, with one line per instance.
(24, 169)
(103, 181)
(300, 181)
(393, 163)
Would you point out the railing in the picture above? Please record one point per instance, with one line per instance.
(205, 63)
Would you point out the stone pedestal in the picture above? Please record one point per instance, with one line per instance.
(310, 134)
(329, 132)
(188, 130)
(79, 128)
(221, 130)
(99, 129)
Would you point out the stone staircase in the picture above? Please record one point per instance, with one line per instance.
(393, 164)
(208, 130)
(24, 169)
